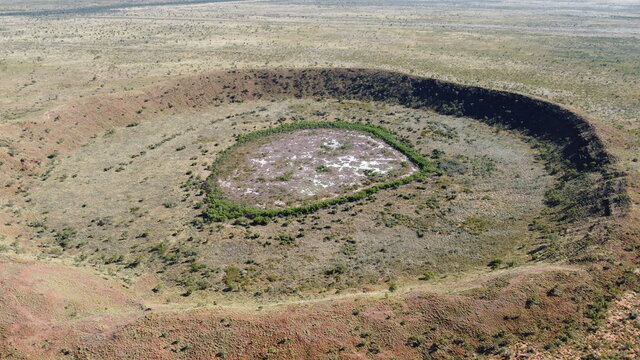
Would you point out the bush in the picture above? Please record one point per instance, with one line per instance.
(261, 220)
(533, 300)
(475, 225)
(63, 238)
(286, 239)
(231, 278)
(415, 341)
(160, 248)
(495, 263)
(338, 269)
(427, 275)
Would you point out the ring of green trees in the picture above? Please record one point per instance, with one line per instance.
(218, 208)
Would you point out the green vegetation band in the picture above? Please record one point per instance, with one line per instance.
(220, 209)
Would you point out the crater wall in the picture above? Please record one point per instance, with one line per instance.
(572, 133)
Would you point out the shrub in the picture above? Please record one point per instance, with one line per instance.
(261, 220)
(232, 277)
(160, 248)
(495, 263)
(533, 300)
(415, 341)
(63, 238)
(203, 284)
(286, 239)
(338, 269)
(427, 275)
(475, 225)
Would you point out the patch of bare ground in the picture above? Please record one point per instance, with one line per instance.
(47, 306)
(286, 170)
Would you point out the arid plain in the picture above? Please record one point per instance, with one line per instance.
(519, 239)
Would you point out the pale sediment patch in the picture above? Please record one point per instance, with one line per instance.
(309, 163)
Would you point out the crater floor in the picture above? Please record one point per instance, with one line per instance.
(294, 168)
(130, 202)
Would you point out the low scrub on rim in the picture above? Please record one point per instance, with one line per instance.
(220, 208)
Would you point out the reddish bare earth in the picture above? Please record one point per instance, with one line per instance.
(47, 307)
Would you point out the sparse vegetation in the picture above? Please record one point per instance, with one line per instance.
(103, 156)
